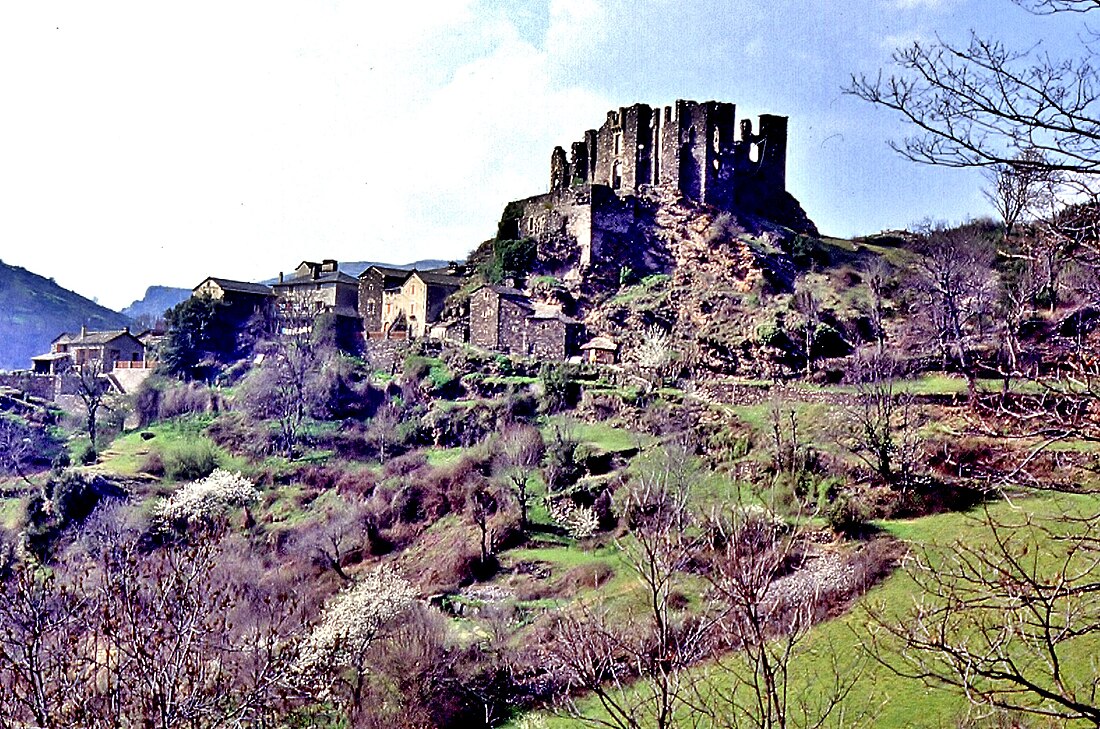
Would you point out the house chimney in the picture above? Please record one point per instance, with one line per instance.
(280, 276)
(83, 330)
(329, 265)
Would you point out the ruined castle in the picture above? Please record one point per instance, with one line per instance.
(599, 210)
(692, 147)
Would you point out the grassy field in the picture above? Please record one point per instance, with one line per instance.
(879, 697)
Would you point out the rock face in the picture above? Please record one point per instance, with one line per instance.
(607, 212)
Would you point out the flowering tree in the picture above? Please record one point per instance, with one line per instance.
(333, 659)
(207, 499)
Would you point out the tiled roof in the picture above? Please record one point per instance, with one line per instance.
(438, 278)
(93, 338)
(243, 287)
(604, 343)
(326, 277)
(387, 272)
(549, 311)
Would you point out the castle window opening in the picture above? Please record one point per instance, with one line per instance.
(617, 175)
(618, 143)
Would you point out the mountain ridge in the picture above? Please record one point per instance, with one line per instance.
(35, 309)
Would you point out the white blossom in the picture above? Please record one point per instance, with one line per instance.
(580, 521)
(208, 497)
(352, 620)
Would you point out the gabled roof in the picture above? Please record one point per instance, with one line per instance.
(506, 292)
(242, 287)
(95, 339)
(604, 343)
(435, 278)
(51, 356)
(327, 277)
(387, 272)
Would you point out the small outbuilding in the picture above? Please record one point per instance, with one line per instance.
(600, 350)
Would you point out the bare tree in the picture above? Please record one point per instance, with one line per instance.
(805, 302)
(517, 454)
(42, 675)
(981, 104)
(1006, 622)
(636, 668)
(1016, 188)
(768, 604)
(957, 284)
(285, 386)
(880, 426)
(92, 387)
(20, 444)
(879, 277)
(484, 502)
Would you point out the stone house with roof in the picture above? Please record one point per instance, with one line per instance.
(75, 350)
(504, 319)
(244, 299)
(551, 335)
(372, 283)
(313, 289)
(418, 302)
(498, 319)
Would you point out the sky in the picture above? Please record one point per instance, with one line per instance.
(160, 143)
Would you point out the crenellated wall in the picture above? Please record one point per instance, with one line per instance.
(696, 148)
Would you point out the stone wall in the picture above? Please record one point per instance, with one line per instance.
(485, 318)
(512, 327)
(41, 386)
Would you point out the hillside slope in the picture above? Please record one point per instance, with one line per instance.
(34, 310)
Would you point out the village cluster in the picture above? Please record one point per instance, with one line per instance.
(383, 303)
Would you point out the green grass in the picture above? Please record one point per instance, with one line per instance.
(127, 454)
(600, 435)
(895, 702)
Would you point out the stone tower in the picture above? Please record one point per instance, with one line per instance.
(696, 148)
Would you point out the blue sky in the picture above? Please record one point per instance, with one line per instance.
(158, 143)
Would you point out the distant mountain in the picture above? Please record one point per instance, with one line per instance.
(156, 301)
(34, 310)
(354, 268)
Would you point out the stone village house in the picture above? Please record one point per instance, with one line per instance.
(245, 299)
(313, 289)
(504, 319)
(115, 348)
(404, 303)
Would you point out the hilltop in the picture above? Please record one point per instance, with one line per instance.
(155, 302)
(34, 310)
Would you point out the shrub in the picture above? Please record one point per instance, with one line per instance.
(847, 515)
(67, 500)
(352, 620)
(153, 464)
(580, 522)
(87, 455)
(189, 460)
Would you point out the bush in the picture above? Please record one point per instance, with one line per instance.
(207, 498)
(847, 515)
(67, 500)
(153, 464)
(189, 460)
(87, 455)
